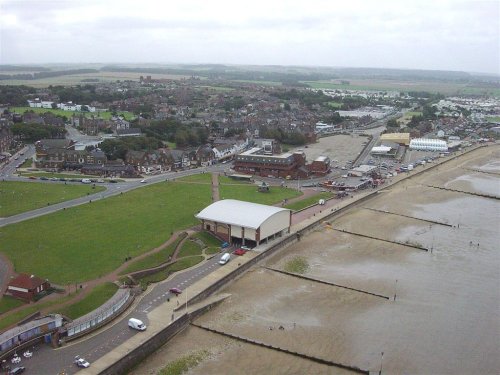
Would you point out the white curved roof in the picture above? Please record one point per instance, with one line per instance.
(234, 212)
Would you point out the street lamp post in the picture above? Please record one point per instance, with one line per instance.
(381, 360)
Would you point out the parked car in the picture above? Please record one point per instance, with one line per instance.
(43, 178)
(175, 291)
(143, 181)
(17, 370)
(81, 362)
(224, 259)
(239, 251)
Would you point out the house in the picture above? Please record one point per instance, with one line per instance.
(27, 287)
(205, 155)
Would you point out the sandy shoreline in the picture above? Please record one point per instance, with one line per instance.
(443, 321)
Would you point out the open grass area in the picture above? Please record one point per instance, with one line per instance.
(106, 115)
(27, 163)
(155, 259)
(207, 239)
(8, 303)
(308, 201)
(183, 364)
(181, 264)
(249, 193)
(14, 317)
(335, 105)
(98, 296)
(229, 180)
(18, 197)
(189, 248)
(91, 240)
(205, 178)
(264, 83)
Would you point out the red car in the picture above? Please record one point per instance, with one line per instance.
(175, 291)
(239, 252)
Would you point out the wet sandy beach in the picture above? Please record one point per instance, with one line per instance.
(441, 311)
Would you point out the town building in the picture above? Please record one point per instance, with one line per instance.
(27, 287)
(255, 162)
(425, 144)
(245, 223)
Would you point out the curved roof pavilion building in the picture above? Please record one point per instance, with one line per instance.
(245, 223)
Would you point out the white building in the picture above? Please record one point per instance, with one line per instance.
(244, 222)
(425, 144)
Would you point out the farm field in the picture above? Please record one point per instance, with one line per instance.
(59, 112)
(400, 85)
(78, 79)
(18, 197)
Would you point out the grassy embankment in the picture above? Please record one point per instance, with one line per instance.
(18, 197)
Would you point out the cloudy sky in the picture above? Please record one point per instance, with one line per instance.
(421, 34)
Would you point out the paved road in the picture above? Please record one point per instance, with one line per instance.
(48, 361)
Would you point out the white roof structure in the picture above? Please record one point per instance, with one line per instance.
(241, 213)
(381, 149)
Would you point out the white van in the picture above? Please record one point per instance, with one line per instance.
(224, 258)
(86, 181)
(136, 324)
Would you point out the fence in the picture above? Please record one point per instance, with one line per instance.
(99, 316)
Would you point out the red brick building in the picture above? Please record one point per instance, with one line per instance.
(320, 166)
(253, 162)
(26, 287)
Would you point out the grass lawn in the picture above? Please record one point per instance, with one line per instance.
(17, 197)
(335, 105)
(27, 163)
(208, 239)
(189, 248)
(98, 296)
(15, 317)
(229, 180)
(205, 178)
(249, 193)
(59, 112)
(493, 118)
(308, 201)
(181, 264)
(155, 259)
(91, 240)
(8, 303)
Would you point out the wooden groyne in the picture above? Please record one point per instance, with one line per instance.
(482, 195)
(410, 217)
(325, 282)
(414, 246)
(322, 361)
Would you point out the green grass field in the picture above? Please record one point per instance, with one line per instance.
(189, 248)
(98, 296)
(59, 112)
(308, 201)
(155, 259)
(335, 105)
(8, 303)
(27, 163)
(91, 240)
(18, 197)
(249, 193)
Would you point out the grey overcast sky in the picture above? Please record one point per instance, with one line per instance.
(420, 34)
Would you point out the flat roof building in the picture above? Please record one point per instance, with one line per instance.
(245, 223)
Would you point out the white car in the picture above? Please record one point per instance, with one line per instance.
(143, 181)
(81, 362)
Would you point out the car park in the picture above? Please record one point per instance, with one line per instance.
(81, 362)
(175, 291)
